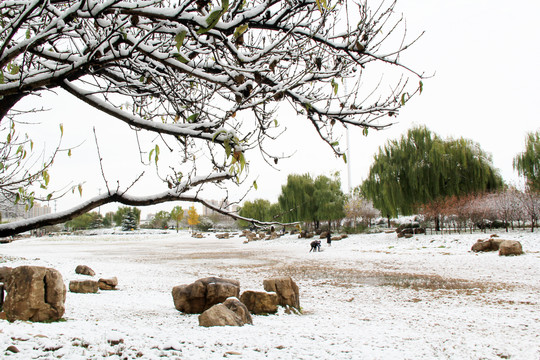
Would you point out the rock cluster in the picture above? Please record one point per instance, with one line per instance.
(218, 302)
(252, 236)
(408, 230)
(91, 286)
(505, 247)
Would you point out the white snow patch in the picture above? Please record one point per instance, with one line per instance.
(365, 297)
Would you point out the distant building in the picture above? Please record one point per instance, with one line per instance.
(11, 212)
(208, 212)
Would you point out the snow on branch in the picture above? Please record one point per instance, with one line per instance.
(177, 194)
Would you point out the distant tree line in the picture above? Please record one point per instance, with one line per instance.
(303, 199)
(451, 183)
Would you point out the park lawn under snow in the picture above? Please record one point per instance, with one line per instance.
(365, 297)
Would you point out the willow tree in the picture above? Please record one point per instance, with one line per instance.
(296, 198)
(420, 168)
(311, 200)
(329, 200)
(527, 163)
(204, 77)
(259, 209)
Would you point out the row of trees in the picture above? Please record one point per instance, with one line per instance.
(94, 220)
(449, 181)
(129, 219)
(506, 208)
(302, 199)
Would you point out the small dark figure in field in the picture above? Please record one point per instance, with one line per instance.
(329, 238)
(315, 246)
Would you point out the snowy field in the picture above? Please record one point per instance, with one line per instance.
(365, 297)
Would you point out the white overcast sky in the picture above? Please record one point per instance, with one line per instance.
(484, 55)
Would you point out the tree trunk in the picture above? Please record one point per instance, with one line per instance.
(437, 224)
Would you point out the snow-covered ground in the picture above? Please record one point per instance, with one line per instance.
(365, 297)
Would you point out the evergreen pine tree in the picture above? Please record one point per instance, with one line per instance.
(129, 222)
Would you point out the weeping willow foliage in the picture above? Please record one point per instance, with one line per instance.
(421, 167)
(527, 163)
(306, 199)
(296, 199)
(259, 209)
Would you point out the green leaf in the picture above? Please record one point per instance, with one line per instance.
(192, 118)
(421, 87)
(80, 189)
(240, 30)
(214, 17)
(344, 158)
(61, 129)
(321, 4)
(335, 86)
(403, 98)
(180, 58)
(49, 197)
(150, 155)
(28, 34)
(255, 185)
(69, 152)
(179, 38)
(46, 177)
(228, 149)
(14, 69)
(217, 134)
(1, 77)
(157, 154)
(335, 143)
(365, 131)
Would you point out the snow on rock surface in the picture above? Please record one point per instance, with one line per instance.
(365, 297)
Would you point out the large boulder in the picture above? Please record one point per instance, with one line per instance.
(84, 270)
(510, 247)
(35, 293)
(286, 290)
(237, 307)
(5, 272)
(83, 286)
(219, 315)
(260, 302)
(203, 294)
